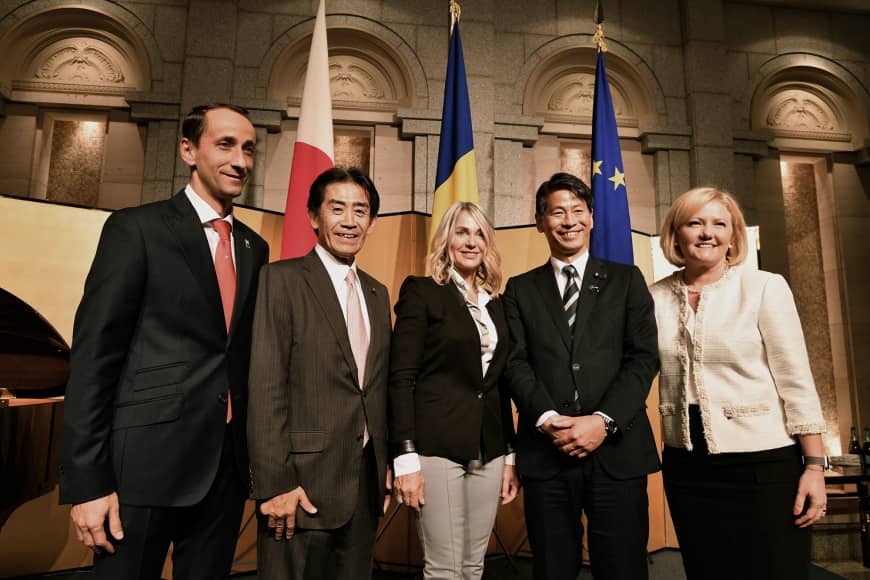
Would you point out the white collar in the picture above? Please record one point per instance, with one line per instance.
(204, 211)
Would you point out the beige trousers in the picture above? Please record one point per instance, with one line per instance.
(457, 519)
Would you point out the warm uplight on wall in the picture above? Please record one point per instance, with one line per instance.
(88, 130)
(833, 445)
(783, 168)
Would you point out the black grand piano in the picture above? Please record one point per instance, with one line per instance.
(34, 367)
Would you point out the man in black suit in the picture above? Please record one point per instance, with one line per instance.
(583, 355)
(154, 449)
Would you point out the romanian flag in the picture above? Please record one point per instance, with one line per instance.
(313, 151)
(456, 178)
(611, 236)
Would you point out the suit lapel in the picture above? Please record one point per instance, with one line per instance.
(545, 282)
(460, 310)
(324, 292)
(377, 338)
(496, 314)
(244, 271)
(185, 225)
(593, 282)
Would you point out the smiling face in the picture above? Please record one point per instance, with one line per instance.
(705, 236)
(343, 220)
(467, 246)
(222, 160)
(566, 222)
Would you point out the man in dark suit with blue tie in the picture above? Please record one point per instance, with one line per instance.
(583, 355)
(154, 450)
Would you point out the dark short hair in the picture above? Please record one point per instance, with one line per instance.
(343, 175)
(558, 182)
(194, 123)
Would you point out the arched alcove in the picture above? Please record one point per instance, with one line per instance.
(371, 68)
(76, 53)
(558, 80)
(809, 103)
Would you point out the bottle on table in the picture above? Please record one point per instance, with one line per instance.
(854, 444)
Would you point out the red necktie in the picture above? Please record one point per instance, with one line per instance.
(226, 275)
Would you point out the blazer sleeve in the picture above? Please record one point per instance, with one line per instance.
(787, 358)
(104, 325)
(406, 357)
(528, 392)
(626, 395)
(269, 396)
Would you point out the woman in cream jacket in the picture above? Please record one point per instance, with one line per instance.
(743, 461)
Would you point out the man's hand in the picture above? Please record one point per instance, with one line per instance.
(578, 436)
(281, 511)
(510, 484)
(89, 520)
(409, 490)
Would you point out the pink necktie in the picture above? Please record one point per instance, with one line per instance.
(226, 275)
(356, 332)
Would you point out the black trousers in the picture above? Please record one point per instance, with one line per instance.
(733, 511)
(345, 553)
(203, 536)
(616, 513)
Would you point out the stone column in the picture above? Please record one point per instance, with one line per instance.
(266, 117)
(708, 98)
(512, 133)
(849, 174)
(424, 127)
(160, 115)
(670, 148)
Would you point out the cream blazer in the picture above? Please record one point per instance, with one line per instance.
(751, 370)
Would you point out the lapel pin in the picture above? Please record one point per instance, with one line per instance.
(595, 288)
(247, 244)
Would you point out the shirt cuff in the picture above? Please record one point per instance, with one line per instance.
(405, 464)
(608, 417)
(543, 418)
(510, 459)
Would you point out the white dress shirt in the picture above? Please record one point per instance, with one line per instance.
(337, 273)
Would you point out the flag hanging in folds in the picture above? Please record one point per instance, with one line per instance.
(313, 151)
(456, 178)
(611, 236)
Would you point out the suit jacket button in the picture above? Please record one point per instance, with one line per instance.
(479, 395)
(565, 405)
(222, 398)
(575, 367)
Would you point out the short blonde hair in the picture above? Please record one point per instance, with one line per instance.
(687, 204)
(439, 260)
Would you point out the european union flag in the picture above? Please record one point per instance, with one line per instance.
(611, 236)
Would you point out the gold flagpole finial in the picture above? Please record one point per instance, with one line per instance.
(598, 17)
(598, 38)
(455, 13)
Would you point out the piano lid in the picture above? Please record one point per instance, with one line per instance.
(33, 355)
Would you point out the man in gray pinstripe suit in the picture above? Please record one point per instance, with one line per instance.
(318, 395)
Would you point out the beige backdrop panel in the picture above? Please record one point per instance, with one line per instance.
(45, 252)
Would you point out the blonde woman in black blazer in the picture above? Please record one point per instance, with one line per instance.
(451, 426)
